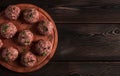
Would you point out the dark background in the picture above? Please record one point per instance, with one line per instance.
(89, 38)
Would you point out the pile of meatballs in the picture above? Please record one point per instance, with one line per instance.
(24, 37)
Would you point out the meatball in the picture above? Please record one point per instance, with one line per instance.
(44, 27)
(31, 15)
(12, 12)
(28, 59)
(1, 43)
(42, 47)
(25, 37)
(9, 54)
(8, 30)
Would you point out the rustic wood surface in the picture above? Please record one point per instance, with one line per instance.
(89, 38)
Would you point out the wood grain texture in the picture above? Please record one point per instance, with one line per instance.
(82, 45)
(71, 69)
(88, 42)
(79, 11)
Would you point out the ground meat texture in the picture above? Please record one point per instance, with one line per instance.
(44, 27)
(31, 15)
(28, 59)
(1, 43)
(8, 30)
(25, 37)
(42, 47)
(9, 54)
(12, 12)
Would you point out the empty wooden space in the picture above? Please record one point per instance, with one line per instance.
(89, 37)
(88, 42)
(72, 69)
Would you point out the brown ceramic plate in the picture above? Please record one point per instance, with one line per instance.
(21, 24)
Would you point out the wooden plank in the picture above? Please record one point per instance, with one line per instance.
(88, 42)
(71, 69)
(79, 11)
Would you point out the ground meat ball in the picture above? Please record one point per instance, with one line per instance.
(8, 30)
(42, 47)
(9, 54)
(31, 15)
(12, 12)
(1, 43)
(28, 59)
(25, 37)
(44, 27)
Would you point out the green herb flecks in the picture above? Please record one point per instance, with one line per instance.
(30, 15)
(10, 9)
(27, 41)
(7, 56)
(23, 32)
(45, 29)
(44, 54)
(4, 28)
(23, 49)
(6, 59)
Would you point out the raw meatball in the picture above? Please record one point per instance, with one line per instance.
(31, 15)
(45, 27)
(12, 12)
(1, 43)
(9, 54)
(8, 30)
(28, 59)
(42, 47)
(25, 37)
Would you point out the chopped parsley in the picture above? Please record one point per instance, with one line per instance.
(45, 28)
(30, 15)
(7, 56)
(4, 28)
(10, 9)
(23, 49)
(44, 54)
(23, 32)
(27, 41)
(6, 59)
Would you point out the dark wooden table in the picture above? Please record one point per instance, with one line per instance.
(89, 38)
